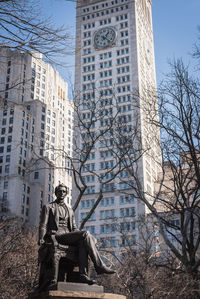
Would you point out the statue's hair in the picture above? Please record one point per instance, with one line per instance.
(61, 186)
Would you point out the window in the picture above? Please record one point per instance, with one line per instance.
(7, 168)
(23, 198)
(2, 140)
(101, 214)
(36, 175)
(8, 148)
(3, 121)
(5, 185)
(5, 195)
(3, 131)
(9, 139)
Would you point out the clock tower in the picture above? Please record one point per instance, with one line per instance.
(114, 59)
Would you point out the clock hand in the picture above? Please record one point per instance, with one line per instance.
(107, 33)
(105, 37)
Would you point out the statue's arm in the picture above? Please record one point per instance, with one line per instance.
(74, 227)
(43, 224)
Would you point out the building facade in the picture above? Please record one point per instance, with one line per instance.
(36, 125)
(114, 66)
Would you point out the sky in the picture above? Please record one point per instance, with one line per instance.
(175, 27)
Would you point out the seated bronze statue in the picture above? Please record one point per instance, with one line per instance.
(58, 226)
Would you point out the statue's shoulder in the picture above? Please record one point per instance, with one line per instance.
(69, 207)
(51, 204)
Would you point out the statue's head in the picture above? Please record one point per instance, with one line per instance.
(61, 191)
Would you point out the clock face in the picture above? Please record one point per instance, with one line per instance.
(104, 37)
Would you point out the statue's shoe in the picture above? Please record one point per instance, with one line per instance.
(104, 270)
(85, 279)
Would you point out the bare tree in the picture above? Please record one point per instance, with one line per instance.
(24, 28)
(175, 202)
(18, 258)
(143, 273)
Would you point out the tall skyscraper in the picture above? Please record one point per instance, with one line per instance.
(36, 126)
(114, 62)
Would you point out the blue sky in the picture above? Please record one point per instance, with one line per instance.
(175, 25)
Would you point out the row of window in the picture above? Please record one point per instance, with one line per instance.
(39, 68)
(87, 34)
(25, 199)
(103, 5)
(106, 102)
(111, 242)
(8, 149)
(105, 73)
(106, 164)
(89, 68)
(126, 212)
(3, 139)
(124, 98)
(5, 112)
(107, 214)
(89, 77)
(110, 201)
(105, 21)
(123, 69)
(106, 122)
(105, 64)
(123, 79)
(124, 108)
(106, 154)
(6, 169)
(90, 189)
(87, 42)
(10, 121)
(91, 156)
(88, 59)
(108, 187)
(88, 86)
(104, 12)
(105, 83)
(89, 167)
(122, 51)
(106, 143)
(87, 203)
(107, 228)
(89, 26)
(84, 215)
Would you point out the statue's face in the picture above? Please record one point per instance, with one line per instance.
(61, 193)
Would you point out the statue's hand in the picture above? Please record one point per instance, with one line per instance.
(41, 242)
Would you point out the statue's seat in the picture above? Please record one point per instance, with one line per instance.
(57, 263)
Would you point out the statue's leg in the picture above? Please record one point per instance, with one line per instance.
(86, 240)
(93, 252)
(83, 258)
(55, 268)
(89, 244)
(76, 239)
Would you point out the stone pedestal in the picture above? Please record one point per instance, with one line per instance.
(63, 290)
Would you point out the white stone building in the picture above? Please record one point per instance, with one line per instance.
(36, 126)
(115, 58)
